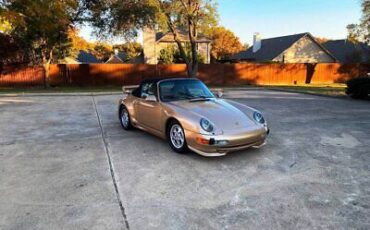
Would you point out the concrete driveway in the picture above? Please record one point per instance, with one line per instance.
(65, 163)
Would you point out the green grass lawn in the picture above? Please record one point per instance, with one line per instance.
(319, 89)
(101, 89)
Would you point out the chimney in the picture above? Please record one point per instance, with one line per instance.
(256, 42)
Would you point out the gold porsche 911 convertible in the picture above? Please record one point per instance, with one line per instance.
(185, 113)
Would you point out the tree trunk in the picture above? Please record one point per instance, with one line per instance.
(194, 71)
(189, 64)
(46, 75)
(46, 65)
(193, 34)
(194, 60)
(193, 16)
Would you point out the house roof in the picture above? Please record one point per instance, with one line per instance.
(183, 35)
(347, 51)
(122, 55)
(86, 57)
(114, 59)
(137, 60)
(272, 47)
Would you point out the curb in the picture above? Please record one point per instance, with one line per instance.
(308, 93)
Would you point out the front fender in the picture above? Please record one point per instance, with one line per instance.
(189, 120)
(247, 110)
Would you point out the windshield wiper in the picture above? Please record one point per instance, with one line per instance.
(199, 98)
(193, 98)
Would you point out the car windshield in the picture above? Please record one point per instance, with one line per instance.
(187, 89)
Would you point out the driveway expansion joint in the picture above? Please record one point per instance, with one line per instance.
(107, 151)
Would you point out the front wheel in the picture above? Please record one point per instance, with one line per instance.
(124, 118)
(176, 137)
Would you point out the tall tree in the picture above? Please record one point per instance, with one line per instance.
(77, 42)
(41, 26)
(126, 17)
(10, 53)
(224, 43)
(120, 18)
(365, 20)
(102, 50)
(193, 15)
(361, 32)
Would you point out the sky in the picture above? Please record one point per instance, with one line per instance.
(273, 18)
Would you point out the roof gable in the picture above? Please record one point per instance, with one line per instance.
(183, 36)
(122, 55)
(270, 48)
(273, 47)
(114, 59)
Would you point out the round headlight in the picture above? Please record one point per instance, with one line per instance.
(206, 125)
(258, 117)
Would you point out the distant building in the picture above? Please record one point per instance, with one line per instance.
(117, 58)
(154, 42)
(298, 48)
(86, 58)
(346, 51)
(121, 57)
(83, 57)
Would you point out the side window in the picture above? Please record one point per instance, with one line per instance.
(136, 92)
(148, 89)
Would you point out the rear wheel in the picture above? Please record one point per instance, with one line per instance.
(176, 137)
(124, 118)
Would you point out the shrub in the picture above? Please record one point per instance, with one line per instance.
(358, 88)
(167, 55)
(171, 54)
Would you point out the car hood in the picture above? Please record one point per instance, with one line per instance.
(221, 113)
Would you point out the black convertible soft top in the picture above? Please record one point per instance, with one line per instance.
(137, 91)
(154, 80)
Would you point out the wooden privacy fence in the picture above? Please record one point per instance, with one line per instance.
(213, 74)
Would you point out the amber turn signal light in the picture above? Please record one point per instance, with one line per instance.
(202, 140)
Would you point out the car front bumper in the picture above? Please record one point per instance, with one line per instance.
(236, 140)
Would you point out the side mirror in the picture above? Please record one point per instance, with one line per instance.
(151, 98)
(219, 93)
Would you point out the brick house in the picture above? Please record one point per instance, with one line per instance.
(154, 42)
(297, 48)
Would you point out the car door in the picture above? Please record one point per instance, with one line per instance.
(148, 111)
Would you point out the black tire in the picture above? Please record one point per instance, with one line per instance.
(125, 125)
(183, 148)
